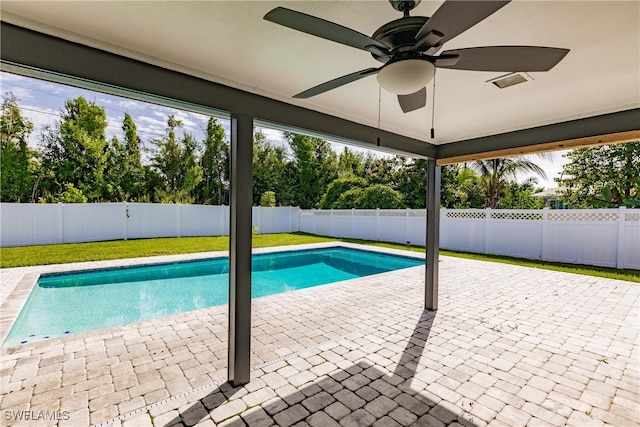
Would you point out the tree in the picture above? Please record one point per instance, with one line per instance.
(115, 173)
(74, 150)
(411, 181)
(495, 173)
(380, 196)
(315, 167)
(133, 184)
(175, 161)
(350, 164)
(71, 194)
(271, 171)
(339, 187)
(592, 171)
(17, 168)
(214, 187)
(521, 195)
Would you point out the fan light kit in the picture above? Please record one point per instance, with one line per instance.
(408, 46)
(406, 77)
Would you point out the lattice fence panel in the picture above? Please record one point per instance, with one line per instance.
(366, 213)
(526, 216)
(466, 215)
(584, 216)
(393, 213)
(632, 217)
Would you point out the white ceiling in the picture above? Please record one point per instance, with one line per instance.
(230, 43)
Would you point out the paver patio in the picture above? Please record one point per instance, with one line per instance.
(508, 346)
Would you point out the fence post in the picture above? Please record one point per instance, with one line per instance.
(621, 224)
(443, 228)
(258, 218)
(406, 225)
(224, 215)
(487, 227)
(331, 223)
(60, 223)
(179, 220)
(377, 224)
(544, 250)
(126, 221)
(353, 214)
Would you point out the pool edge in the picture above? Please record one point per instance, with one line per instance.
(17, 298)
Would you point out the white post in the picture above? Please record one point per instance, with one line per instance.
(179, 220)
(487, 229)
(60, 223)
(377, 224)
(443, 228)
(353, 214)
(223, 217)
(406, 225)
(621, 223)
(331, 234)
(544, 250)
(125, 227)
(259, 218)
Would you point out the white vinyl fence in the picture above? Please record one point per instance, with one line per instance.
(602, 237)
(23, 224)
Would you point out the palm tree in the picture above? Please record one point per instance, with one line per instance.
(495, 174)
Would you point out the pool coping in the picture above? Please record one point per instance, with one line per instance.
(17, 298)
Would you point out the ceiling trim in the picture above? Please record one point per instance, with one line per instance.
(611, 128)
(591, 141)
(35, 54)
(28, 52)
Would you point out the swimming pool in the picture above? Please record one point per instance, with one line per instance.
(70, 303)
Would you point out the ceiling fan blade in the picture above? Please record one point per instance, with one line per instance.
(326, 30)
(504, 58)
(413, 101)
(335, 83)
(455, 17)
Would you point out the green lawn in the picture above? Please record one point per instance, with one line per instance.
(118, 249)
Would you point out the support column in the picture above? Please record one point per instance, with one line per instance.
(433, 236)
(241, 196)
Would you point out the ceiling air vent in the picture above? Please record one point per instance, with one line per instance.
(510, 80)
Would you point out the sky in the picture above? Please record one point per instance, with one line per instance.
(41, 102)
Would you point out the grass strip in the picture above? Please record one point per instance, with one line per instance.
(118, 249)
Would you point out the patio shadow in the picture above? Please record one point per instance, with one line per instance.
(359, 394)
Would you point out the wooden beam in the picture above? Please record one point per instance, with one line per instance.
(613, 138)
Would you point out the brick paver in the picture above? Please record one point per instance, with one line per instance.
(508, 346)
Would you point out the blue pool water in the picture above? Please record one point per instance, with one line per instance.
(63, 304)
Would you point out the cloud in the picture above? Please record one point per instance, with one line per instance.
(274, 137)
(20, 93)
(114, 127)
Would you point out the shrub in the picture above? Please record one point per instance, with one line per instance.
(268, 199)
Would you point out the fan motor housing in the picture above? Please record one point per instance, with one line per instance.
(399, 34)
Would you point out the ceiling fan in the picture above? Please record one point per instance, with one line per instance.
(407, 48)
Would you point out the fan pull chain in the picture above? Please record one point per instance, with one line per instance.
(433, 107)
(379, 102)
